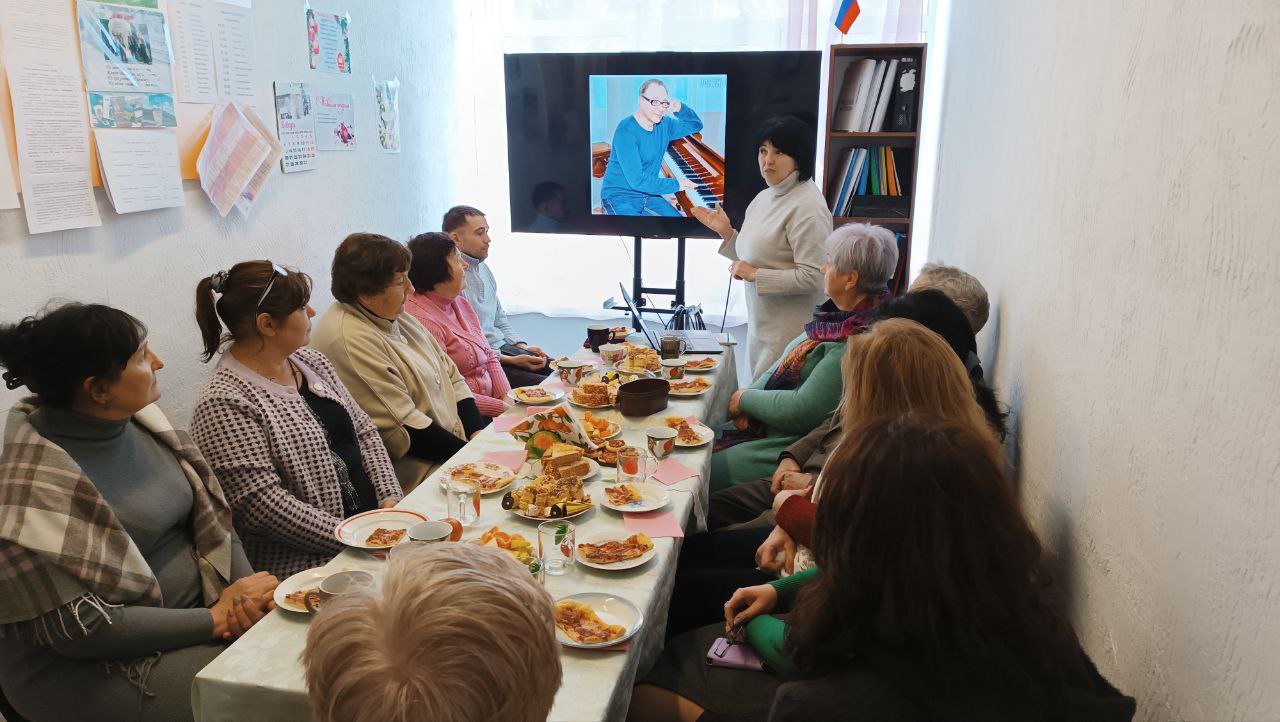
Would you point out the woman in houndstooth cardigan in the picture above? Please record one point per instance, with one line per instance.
(293, 451)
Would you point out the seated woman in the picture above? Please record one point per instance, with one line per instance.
(981, 639)
(748, 505)
(438, 275)
(803, 386)
(394, 367)
(294, 452)
(122, 575)
(897, 366)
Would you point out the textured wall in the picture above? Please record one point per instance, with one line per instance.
(1111, 171)
(148, 263)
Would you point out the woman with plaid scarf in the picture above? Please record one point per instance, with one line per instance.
(120, 575)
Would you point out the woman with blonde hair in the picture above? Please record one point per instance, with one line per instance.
(896, 367)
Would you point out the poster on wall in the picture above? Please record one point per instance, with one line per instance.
(335, 122)
(132, 110)
(139, 170)
(328, 41)
(296, 125)
(124, 49)
(386, 97)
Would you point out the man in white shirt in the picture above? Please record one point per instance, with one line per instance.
(523, 364)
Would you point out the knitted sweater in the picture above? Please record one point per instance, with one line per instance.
(455, 325)
(272, 458)
(787, 415)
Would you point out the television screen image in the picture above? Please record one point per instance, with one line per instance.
(589, 153)
(657, 143)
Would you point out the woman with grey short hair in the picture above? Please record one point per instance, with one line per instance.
(803, 386)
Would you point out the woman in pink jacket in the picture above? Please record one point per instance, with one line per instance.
(437, 272)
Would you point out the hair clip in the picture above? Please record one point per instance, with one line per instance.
(219, 281)
(12, 380)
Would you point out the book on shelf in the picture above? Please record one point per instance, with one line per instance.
(873, 96)
(885, 93)
(854, 90)
(903, 113)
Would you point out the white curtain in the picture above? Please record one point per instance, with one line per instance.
(567, 275)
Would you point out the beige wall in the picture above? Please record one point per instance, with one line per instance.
(1111, 171)
(148, 263)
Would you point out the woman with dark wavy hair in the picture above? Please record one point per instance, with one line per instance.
(932, 597)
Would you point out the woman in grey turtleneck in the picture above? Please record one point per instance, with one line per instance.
(112, 610)
(778, 251)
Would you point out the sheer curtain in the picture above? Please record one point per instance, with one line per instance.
(568, 275)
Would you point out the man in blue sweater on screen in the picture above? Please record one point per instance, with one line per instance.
(633, 181)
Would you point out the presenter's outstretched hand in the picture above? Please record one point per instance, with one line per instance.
(716, 220)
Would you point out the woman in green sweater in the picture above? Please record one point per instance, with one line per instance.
(802, 387)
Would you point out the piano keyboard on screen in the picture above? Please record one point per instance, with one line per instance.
(690, 158)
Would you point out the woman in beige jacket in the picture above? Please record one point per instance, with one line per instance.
(391, 364)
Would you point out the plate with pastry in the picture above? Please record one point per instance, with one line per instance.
(630, 496)
(599, 428)
(377, 529)
(554, 364)
(611, 551)
(695, 386)
(535, 395)
(591, 395)
(548, 497)
(490, 477)
(689, 433)
(291, 594)
(701, 364)
(606, 453)
(562, 460)
(593, 619)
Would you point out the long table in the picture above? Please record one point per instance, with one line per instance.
(260, 677)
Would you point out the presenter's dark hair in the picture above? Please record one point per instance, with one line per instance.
(430, 264)
(233, 298)
(545, 191)
(365, 264)
(792, 136)
(456, 217)
(54, 352)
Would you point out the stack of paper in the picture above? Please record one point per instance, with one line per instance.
(237, 158)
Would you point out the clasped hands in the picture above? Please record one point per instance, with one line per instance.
(242, 604)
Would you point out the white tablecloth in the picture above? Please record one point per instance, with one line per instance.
(260, 677)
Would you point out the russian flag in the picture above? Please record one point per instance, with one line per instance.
(846, 12)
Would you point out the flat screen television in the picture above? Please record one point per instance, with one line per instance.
(628, 143)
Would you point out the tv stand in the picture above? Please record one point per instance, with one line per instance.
(638, 289)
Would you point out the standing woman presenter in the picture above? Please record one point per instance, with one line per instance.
(778, 251)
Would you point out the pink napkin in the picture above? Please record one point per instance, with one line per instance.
(653, 523)
(538, 409)
(503, 424)
(671, 471)
(513, 460)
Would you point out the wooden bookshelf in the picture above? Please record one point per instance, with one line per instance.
(892, 212)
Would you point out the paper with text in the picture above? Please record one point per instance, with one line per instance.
(140, 169)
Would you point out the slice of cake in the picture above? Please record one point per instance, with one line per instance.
(560, 456)
(592, 393)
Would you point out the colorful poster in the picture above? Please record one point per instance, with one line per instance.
(335, 122)
(296, 125)
(329, 41)
(132, 110)
(386, 97)
(124, 49)
(232, 154)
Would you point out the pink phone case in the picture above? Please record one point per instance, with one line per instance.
(734, 655)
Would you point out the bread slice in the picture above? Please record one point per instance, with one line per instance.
(579, 468)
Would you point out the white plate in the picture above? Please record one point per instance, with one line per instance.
(617, 429)
(593, 469)
(674, 392)
(692, 370)
(655, 496)
(552, 518)
(353, 531)
(585, 406)
(600, 538)
(488, 466)
(611, 609)
(306, 579)
(556, 395)
(702, 429)
(621, 367)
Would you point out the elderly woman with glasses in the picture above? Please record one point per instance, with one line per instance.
(803, 387)
(292, 449)
(396, 369)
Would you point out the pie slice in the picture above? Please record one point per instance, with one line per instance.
(580, 623)
(636, 545)
(533, 395)
(622, 494)
(384, 537)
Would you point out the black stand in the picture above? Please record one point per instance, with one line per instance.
(638, 289)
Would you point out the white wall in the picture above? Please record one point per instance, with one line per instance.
(148, 263)
(1111, 171)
